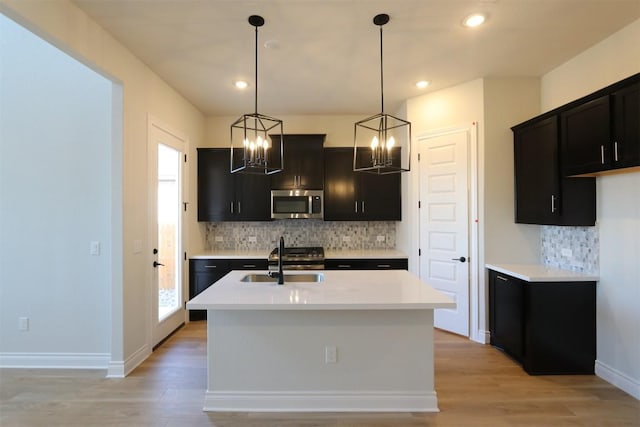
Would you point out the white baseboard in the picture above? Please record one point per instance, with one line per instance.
(54, 360)
(321, 401)
(120, 369)
(618, 379)
(480, 336)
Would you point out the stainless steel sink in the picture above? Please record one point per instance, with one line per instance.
(288, 278)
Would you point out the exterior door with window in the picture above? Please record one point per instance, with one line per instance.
(166, 169)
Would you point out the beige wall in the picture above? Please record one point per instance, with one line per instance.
(618, 211)
(143, 92)
(493, 105)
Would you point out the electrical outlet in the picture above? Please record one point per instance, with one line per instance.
(23, 323)
(566, 252)
(252, 239)
(219, 239)
(94, 248)
(137, 246)
(330, 354)
(380, 239)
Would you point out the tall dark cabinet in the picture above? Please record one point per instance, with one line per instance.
(223, 196)
(358, 196)
(542, 195)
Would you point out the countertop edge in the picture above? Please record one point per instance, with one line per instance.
(329, 254)
(318, 307)
(541, 273)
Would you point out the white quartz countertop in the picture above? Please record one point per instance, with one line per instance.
(541, 273)
(340, 290)
(231, 254)
(328, 254)
(363, 254)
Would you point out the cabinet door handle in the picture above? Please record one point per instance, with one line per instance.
(210, 266)
(504, 279)
(239, 208)
(553, 203)
(231, 207)
(356, 206)
(363, 206)
(602, 154)
(615, 151)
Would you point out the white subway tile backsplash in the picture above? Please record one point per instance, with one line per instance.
(329, 234)
(571, 248)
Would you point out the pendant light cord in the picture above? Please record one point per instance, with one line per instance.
(256, 74)
(381, 76)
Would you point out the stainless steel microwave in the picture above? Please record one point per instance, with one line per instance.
(297, 204)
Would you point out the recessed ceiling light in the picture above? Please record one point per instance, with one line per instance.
(422, 84)
(241, 84)
(474, 20)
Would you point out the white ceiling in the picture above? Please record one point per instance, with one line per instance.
(326, 54)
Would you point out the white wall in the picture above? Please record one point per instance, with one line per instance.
(618, 211)
(143, 93)
(55, 179)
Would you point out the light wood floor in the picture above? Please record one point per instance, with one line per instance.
(476, 384)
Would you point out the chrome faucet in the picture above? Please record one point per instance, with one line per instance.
(279, 274)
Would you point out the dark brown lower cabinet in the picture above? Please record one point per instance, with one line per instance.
(366, 264)
(205, 272)
(548, 327)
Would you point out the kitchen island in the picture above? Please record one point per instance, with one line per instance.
(356, 341)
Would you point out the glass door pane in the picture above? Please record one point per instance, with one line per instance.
(169, 275)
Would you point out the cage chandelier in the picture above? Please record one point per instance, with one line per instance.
(252, 148)
(382, 143)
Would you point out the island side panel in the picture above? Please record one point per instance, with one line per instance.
(275, 360)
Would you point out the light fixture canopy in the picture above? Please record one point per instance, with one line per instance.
(382, 143)
(252, 148)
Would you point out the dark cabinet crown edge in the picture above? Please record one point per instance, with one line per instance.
(590, 97)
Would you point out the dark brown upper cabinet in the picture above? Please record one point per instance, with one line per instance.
(602, 132)
(358, 196)
(223, 196)
(303, 163)
(542, 195)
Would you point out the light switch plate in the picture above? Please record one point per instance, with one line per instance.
(94, 248)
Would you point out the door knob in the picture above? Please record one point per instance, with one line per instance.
(461, 259)
(156, 263)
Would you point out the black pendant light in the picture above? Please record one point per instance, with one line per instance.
(382, 143)
(252, 150)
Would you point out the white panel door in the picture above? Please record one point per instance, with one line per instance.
(444, 223)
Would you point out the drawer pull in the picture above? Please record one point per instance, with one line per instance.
(210, 266)
(504, 279)
(384, 265)
(248, 266)
(344, 266)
